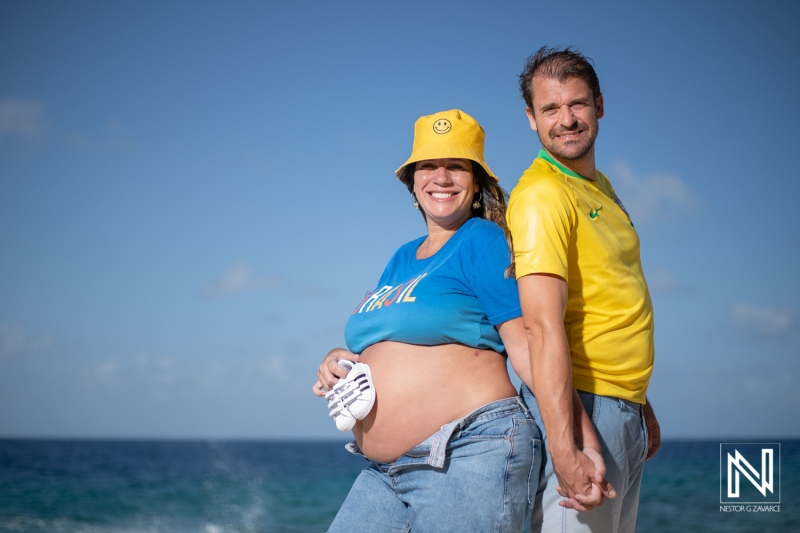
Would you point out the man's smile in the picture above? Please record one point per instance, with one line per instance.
(568, 134)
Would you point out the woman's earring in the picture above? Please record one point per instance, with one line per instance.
(477, 203)
(416, 203)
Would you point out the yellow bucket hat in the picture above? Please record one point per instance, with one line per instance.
(447, 134)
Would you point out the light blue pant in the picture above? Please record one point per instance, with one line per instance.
(478, 473)
(623, 436)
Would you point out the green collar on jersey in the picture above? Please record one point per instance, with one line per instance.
(550, 159)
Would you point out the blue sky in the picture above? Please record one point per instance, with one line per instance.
(194, 196)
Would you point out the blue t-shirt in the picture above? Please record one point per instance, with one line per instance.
(457, 295)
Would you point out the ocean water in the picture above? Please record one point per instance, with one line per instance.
(275, 486)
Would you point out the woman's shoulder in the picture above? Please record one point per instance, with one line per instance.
(481, 236)
(482, 228)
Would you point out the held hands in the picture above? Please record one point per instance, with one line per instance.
(581, 475)
(330, 372)
(582, 479)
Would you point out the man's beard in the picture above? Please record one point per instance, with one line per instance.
(572, 151)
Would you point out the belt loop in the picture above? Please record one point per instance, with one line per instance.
(522, 404)
(439, 446)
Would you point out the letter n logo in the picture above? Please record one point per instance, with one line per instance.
(747, 473)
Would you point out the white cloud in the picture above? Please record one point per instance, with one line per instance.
(24, 118)
(221, 379)
(650, 197)
(256, 376)
(214, 378)
(15, 342)
(106, 371)
(765, 389)
(661, 280)
(239, 278)
(114, 138)
(313, 290)
(764, 321)
(144, 372)
(274, 368)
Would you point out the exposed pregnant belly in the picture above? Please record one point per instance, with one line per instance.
(421, 388)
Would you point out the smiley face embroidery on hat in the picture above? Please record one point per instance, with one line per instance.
(442, 126)
(450, 134)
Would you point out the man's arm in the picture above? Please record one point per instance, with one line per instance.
(544, 300)
(516, 342)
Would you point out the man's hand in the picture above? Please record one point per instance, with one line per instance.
(583, 481)
(653, 430)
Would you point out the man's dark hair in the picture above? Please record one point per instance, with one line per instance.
(560, 65)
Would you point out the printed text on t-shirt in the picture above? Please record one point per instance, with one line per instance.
(388, 294)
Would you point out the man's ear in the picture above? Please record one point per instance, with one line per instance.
(598, 107)
(531, 118)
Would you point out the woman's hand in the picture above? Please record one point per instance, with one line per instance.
(599, 489)
(329, 371)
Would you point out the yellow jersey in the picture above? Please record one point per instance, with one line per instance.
(564, 224)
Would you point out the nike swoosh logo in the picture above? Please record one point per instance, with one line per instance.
(594, 212)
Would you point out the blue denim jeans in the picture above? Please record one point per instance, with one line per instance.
(478, 473)
(622, 433)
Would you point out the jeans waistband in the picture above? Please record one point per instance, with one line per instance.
(589, 398)
(439, 440)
